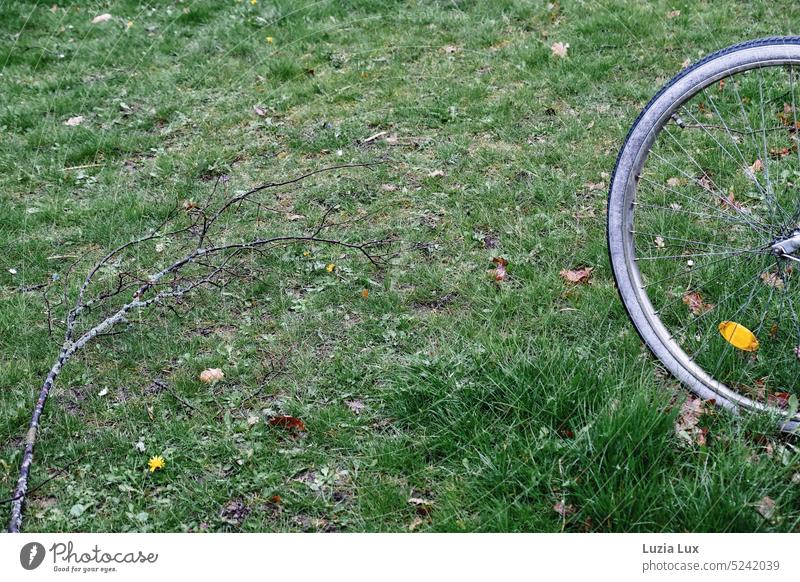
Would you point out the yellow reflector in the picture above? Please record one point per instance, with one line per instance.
(738, 336)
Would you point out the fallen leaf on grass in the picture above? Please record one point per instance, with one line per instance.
(704, 181)
(564, 510)
(788, 116)
(211, 375)
(757, 166)
(423, 506)
(101, 18)
(73, 121)
(779, 153)
(288, 422)
(234, 512)
(355, 405)
(687, 425)
(779, 399)
(772, 279)
(499, 273)
(578, 275)
(729, 201)
(435, 174)
(694, 301)
(592, 186)
(766, 507)
(559, 49)
(674, 182)
(673, 13)
(260, 111)
(659, 241)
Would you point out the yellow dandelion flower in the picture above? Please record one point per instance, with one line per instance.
(270, 40)
(156, 463)
(306, 253)
(253, 2)
(330, 267)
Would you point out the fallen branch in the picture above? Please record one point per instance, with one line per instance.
(200, 264)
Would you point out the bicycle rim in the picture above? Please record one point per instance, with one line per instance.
(704, 227)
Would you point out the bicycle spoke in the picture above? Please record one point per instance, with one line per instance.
(712, 231)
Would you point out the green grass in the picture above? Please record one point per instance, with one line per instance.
(492, 402)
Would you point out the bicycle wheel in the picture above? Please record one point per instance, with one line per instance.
(704, 226)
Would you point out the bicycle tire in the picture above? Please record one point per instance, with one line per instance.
(645, 130)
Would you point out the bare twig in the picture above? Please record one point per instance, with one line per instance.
(198, 263)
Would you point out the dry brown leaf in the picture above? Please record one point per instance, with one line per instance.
(73, 121)
(779, 399)
(772, 279)
(564, 510)
(778, 153)
(694, 301)
(499, 273)
(355, 405)
(578, 275)
(674, 182)
(592, 186)
(211, 375)
(234, 512)
(766, 507)
(687, 423)
(288, 422)
(705, 183)
(757, 166)
(422, 506)
(559, 49)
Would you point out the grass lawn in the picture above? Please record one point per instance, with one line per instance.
(524, 405)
